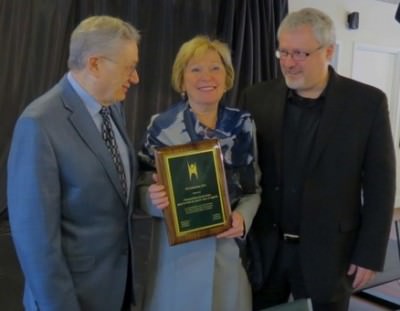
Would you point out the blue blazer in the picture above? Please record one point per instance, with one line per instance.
(71, 225)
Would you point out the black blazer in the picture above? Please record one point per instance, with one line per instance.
(349, 190)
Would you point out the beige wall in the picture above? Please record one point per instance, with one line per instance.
(377, 25)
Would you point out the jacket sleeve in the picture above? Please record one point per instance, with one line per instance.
(379, 187)
(34, 205)
(249, 203)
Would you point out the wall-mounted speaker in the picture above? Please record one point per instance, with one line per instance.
(397, 16)
(352, 20)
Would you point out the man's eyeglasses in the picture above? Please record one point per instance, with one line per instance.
(296, 55)
(130, 69)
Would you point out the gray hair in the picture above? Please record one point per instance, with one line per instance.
(98, 34)
(320, 23)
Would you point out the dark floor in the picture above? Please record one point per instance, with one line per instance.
(11, 280)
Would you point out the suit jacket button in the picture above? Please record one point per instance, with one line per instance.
(277, 188)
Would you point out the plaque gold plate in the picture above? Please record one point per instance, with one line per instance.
(194, 177)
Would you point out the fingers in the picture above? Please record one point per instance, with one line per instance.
(158, 196)
(351, 270)
(236, 229)
(362, 275)
(155, 178)
(230, 233)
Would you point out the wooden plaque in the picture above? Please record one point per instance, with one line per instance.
(194, 177)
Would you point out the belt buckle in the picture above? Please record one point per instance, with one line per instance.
(288, 237)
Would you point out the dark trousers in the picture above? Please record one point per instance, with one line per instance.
(286, 278)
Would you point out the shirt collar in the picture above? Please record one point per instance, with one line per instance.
(89, 101)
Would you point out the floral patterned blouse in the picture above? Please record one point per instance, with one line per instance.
(235, 131)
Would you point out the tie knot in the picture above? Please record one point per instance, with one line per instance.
(105, 112)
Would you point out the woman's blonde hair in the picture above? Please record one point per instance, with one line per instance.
(198, 46)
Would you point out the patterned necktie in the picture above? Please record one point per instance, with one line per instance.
(111, 143)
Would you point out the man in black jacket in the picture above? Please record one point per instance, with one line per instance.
(328, 164)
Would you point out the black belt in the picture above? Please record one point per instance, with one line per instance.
(291, 238)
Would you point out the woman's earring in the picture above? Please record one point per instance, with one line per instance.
(183, 95)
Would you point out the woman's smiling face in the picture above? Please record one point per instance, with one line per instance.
(204, 79)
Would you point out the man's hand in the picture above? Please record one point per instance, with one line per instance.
(362, 275)
(157, 194)
(236, 229)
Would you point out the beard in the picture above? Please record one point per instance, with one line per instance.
(294, 84)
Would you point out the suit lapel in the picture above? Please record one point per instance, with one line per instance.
(334, 104)
(278, 111)
(84, 125)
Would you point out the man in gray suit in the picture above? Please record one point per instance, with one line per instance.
(328, 172)
(71, 175)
